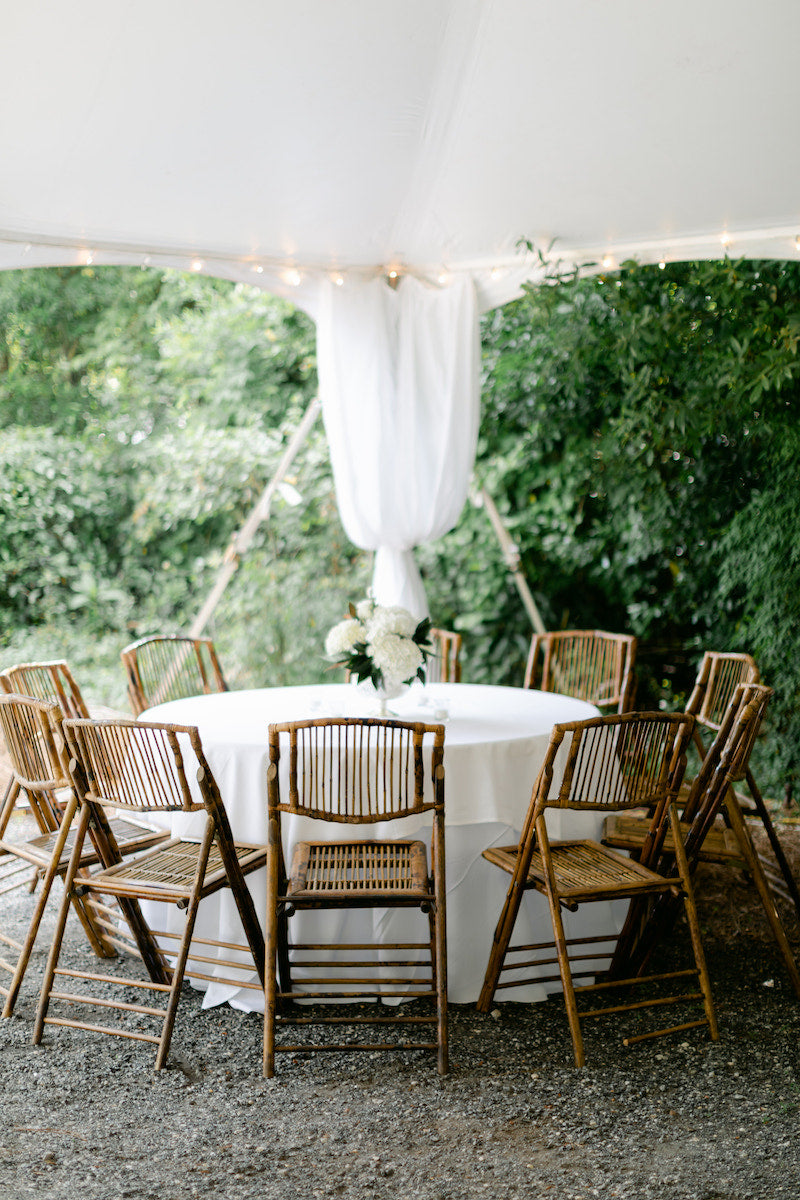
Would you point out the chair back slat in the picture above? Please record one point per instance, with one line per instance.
(588, 664)
(719, 676)
(616, 762)
(51, 681)
(134, 765)
(356, 771)
(444, 665)
(170, 667)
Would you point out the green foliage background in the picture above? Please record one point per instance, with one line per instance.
(640, 436)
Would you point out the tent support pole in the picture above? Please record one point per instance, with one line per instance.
(511, 556)
(242, 540)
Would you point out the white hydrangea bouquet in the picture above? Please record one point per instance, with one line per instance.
(386, 646)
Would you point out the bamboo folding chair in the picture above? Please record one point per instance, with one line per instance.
(33, 735)
(355, 772)
(719, 675)
(609, 763)
(706, 837)
(444, 664)
(51, 681)
(585, 663)
(55, 683)
(170, 667)
(143, 768)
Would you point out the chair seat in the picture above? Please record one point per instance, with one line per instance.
(170, 870)
(130, 836)
(354, 870)
(627, 831)
(584, 869)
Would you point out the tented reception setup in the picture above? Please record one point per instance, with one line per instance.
(396, 169)
(380, 163)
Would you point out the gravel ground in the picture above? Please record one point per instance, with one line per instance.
(679, 1118)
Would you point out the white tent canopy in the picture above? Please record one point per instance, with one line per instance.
(311, 145)
(429, 134)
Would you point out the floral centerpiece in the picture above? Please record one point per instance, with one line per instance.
(384, 645)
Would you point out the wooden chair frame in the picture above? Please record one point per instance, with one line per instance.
(706, 839)
(34, 737)
(355, 772)
(609, 763)
(719, 675)
(169, 667)
(588, 664)
(142, 768)
(444, 665)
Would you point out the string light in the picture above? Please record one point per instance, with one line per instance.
(660, 252)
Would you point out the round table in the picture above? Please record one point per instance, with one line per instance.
(495, 741)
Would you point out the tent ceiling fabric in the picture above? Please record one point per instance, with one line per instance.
(335, 135)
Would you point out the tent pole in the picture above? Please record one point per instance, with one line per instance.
(511, 555)
(242, 540)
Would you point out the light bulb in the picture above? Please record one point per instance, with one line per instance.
(197, 264)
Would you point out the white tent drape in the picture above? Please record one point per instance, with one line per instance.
(400, 385)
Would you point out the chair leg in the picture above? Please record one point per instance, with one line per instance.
(767, 900)
(58, 935)
(502, 937)
(178, 970)
(440, 976)
(775, 842)
(177, 983)
(565, 971)
(276, 933)
(694, 925)
(432, 941)
(437, 885)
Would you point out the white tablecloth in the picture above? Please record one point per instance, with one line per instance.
(495, 741)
